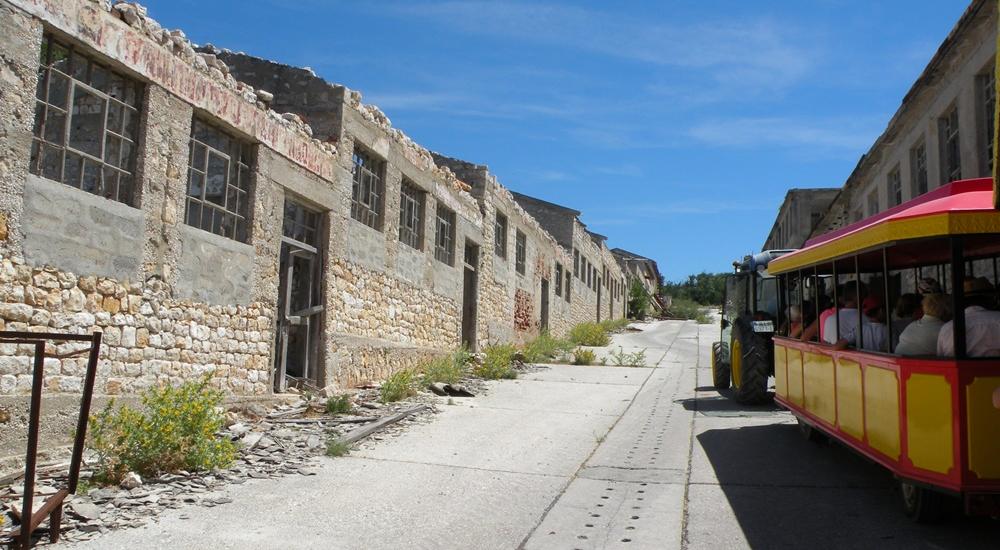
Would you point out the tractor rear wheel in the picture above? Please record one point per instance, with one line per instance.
(922, 505)
(754, 368)
(720, 365)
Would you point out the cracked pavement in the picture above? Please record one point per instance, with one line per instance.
(579, 457)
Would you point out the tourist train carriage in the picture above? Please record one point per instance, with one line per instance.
(930, 420)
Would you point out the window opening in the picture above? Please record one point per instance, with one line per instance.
(86, 123)
(218, 194)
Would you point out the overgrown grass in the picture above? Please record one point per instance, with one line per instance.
(173, 430)
(336, 447)
(497, 363)
(622, 359)
(689, 309)
(614, 325)
(400, 385)
(448, 369)
(584, 357)
(590, 334)
(338, 404)
(546, 348)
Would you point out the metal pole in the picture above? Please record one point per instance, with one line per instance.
(31, 456)
(816, 290)
(885, 302)
(81, 422)
(958, 296)
(801, 292)
(836, 300)
(858, 300)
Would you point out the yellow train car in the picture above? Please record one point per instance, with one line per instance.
(929, 418)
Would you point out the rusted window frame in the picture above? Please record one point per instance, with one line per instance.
(411, 214)
(444, 236)
(235, 218)
(123, 170)
(367, 188)
(500, 224)
(520, 252)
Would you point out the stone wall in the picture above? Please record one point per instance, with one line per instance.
(174, 301)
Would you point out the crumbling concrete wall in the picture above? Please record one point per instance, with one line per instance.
(173, 302)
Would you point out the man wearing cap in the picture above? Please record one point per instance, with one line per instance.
(982, 323)
(874, 333)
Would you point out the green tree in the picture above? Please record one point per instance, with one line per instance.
(703, 288)
(638, 300)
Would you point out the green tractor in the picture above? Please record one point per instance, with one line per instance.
(744, 356)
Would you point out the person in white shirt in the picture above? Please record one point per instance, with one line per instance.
(921, 336)
(982, 323)
(848, 321)
(874, 333)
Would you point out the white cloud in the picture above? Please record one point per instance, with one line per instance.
(749, 52)
(750, 132)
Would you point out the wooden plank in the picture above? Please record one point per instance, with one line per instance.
(364, 431)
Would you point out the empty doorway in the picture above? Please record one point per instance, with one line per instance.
(300, 299)
(545, 304)
(470, 296)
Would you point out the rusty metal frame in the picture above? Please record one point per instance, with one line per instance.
(53, 507)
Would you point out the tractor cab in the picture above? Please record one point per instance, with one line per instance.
(743, 356)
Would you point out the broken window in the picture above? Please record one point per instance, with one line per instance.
(918, 169)
(951, 162)
(367, 189)
(411, 215)
(576, 263)
(86, 123)
(873, 203)
(444, 240)
(987, 100)
(500, 235)
(559, 270)
(895, 187)
(520, 252)
(569, 286)
(218, 194)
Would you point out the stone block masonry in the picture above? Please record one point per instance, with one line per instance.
(331, 252)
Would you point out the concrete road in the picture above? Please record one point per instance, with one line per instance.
(578, 457)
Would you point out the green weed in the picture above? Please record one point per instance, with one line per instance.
(584, 357)
(622, 359)
(497, 363)
(400, 385)
(336, 447)
(546, 348)
(589, 334)
(174, 430)
(338, 404)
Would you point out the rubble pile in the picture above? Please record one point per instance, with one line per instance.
(284, 441)
(207, 62)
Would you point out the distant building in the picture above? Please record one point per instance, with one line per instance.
(942, 131)
(799, 214)
(642, 269)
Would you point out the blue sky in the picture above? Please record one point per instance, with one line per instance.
(675, 127)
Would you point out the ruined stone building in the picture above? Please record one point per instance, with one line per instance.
(798, 216)
(212, 212)
(942, 131)
(646, 272)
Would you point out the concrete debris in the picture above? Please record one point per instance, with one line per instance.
(270, 446)
(131, 481)
(204, 59)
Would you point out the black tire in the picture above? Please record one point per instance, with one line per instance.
(755, 365)
(720, 365)
(922, 505)
(811, 433)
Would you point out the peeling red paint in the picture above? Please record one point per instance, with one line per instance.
(116, 40)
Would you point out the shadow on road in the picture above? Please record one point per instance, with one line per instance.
(789, 493)
(722, 404)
